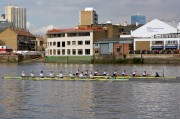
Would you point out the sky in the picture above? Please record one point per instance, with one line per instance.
(43, 15)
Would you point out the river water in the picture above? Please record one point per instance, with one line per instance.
(26, 99)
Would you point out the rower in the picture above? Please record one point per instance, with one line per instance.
(41, 74)
(104, 73)
(86, 73)
(115, 73)
(23, 74)
(157, 75)
(124, 73)
(145, 73)
(51, 74)
(77, 72)
(81, 75)
(96, 73)
(32, 74)
(134, 73)
(90, 75)
(71, 75)
(61, 74)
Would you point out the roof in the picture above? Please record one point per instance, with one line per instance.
(152, 28)
(74, 30)
(22, 32)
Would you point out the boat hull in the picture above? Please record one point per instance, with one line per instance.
(66, 79)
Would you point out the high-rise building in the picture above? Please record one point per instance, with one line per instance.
(88, 17)
(138, 19)
(16, 15)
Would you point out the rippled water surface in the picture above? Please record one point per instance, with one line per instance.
(88, 99)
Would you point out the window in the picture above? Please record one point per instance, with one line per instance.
(73, 42)
(54, 52)
(68, 51)
(80, 42)
(87, 51)
(118, 50)
(50, 43)
(68, 43)
(87, 42)
(58, 44)
(63, 44)
(74, 51)
(58, 52)
(80, 51)
(50, 52)
(96, 44)
(71, 34)
(63, 52)
(96, 51)
(84, 34)
(54, 43)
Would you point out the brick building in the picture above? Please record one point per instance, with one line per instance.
(17, 39)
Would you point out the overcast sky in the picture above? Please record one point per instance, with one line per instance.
(43, 14)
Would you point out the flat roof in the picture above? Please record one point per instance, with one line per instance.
(74, 30)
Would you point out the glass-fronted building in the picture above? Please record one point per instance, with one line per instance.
(140, 19)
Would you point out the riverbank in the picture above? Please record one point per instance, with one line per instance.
(13, 58)
(104, 59)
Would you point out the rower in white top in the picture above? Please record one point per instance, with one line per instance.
(86, 73)
(104, 73)
(81, 75)
(61, 74)
(77, 72)
(51, 74)
(41, 74)
(71, 75)
(32, 74)
(23, 74)
(145, 73)
(96, 73)
(90, 75)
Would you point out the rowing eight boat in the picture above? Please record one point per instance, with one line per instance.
(66, 78)
(95, 78)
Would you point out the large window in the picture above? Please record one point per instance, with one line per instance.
(87, 51)
(84, 34)
(74, 51)
(71, 34)
(58, 52)
(54, 43)
(87, 42)
(73, 42)
(58, 44)
(80, 52)
(54, 52)
(50, 52)
(63, 52)
(80, 42)
(63, 44)
(68, 43)
(68, 51)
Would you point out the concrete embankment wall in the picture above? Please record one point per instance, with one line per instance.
(17, 58)
(146, 58)
(69, 59)
(157, 58)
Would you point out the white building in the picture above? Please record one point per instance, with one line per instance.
(152, 28)
(75, 42)
(156, 35)
(16, 15)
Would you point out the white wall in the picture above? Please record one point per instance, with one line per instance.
(153, 27)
